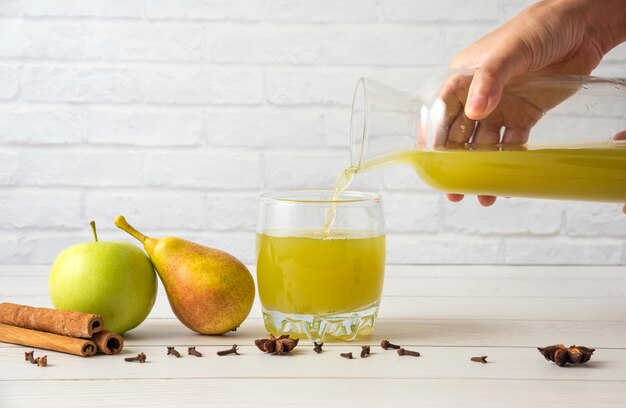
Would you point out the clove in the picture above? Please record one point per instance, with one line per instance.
(365, 351)
(386, 345)
(28, 356)
(232, 350)
(480, 359)
(172, 351)
(140, 357)
(347, 355)
(192, 352)
(404, 352)
(317, 347)
(41, 361)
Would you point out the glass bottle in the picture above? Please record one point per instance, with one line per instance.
(551, 136)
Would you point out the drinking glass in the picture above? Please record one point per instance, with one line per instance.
(316, 282)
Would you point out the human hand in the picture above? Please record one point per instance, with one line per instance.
(555, 36)
(523, 101)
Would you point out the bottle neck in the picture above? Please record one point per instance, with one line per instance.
(383, 121)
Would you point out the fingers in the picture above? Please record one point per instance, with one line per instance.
(484, 200)
(486, 89)
(510, 59)
(620, 135)
(454, 127)
(487, 133)
(461, 130)
(478, 104)
(453, 110)
(515, 136)
(624, 209)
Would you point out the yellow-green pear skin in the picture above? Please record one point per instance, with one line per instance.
(210, 291)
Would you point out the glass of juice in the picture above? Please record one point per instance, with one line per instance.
(320, 263)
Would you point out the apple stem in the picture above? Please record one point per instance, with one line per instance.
(93, 228)
(121, 223)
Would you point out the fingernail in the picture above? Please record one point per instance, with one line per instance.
(476, 105)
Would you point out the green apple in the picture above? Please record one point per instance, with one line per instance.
(113, 279)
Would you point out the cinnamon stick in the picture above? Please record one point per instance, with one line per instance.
(49, 341)
(108, 342)
(63, 322)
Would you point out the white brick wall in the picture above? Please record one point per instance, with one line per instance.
(178, 113)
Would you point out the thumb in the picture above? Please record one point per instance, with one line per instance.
(489, 80)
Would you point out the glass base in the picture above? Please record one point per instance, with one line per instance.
(342, 326)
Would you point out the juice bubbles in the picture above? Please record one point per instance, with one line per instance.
(311, 272)
(592, 172)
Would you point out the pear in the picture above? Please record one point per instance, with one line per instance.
(210, 291)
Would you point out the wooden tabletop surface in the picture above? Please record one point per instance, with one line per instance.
(447, 313)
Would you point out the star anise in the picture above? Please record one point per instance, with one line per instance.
(276, 345)
(562, 355)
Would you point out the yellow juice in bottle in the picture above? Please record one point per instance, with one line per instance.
(317, 272)
(590, 172)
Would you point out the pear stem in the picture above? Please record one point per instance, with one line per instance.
(93, 228)
(121, 223)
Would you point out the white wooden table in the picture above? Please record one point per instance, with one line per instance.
(447, 313)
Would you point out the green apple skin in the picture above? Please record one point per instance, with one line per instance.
(113, 279)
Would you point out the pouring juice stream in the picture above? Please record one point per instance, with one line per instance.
(343, 181)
